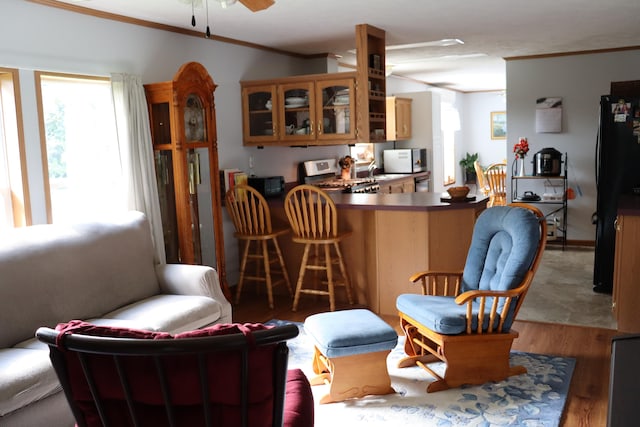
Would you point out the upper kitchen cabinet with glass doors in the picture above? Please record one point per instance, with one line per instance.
(305, 110)
(336, 105)
(259, 114)
(297, 109)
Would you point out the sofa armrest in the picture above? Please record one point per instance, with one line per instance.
(188, 279)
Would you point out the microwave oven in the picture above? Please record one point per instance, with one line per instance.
(405, 160)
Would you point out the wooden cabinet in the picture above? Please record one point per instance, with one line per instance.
(321, 109)
(258, 115)
(402, 185)
(371, 100)
(398, 118)
(183, 131)
(626, 292)
(303, 110)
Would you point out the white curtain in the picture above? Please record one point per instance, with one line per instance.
(136, 148)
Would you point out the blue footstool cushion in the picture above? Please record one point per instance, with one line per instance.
(349, 332)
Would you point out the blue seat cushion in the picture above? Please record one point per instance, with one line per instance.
(349, 332)
(441, 314)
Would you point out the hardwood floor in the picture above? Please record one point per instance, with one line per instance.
(591, 347)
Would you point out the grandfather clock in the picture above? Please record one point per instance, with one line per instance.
(183, 130)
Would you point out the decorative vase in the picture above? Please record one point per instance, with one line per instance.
(521, 166)
(346, 173)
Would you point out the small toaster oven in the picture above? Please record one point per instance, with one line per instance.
(268, 186)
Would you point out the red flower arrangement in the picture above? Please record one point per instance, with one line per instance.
(521, 148)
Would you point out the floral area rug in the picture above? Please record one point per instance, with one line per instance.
(533, 399)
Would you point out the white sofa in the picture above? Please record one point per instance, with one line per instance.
(103, 272)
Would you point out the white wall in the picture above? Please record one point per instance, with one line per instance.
(476, 127)
(36, 37)
(580, 80)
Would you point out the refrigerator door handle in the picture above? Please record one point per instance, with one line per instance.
(597, 156)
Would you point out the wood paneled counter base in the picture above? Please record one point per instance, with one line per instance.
(394, 235)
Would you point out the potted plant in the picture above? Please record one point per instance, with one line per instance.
(468, 167)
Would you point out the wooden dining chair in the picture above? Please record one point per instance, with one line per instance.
(313, 217)
(497, 180)
(481, 180)
(251, 218)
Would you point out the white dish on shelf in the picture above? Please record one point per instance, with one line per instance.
(338, 103)
(295, 100)
(295, 105)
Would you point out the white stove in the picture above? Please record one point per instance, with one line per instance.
(324, 174)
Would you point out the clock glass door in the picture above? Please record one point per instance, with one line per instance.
(194, 119)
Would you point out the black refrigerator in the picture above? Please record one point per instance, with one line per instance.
(617, 172)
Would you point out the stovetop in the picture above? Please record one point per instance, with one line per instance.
(362, 185)
(333, 182)
(323, 173)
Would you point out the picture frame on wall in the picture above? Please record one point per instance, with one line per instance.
(498, 125)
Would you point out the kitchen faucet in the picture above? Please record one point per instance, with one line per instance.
(372, 167)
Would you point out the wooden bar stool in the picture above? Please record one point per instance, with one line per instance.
(251, 218)
(313, 218)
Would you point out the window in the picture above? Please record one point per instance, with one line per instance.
(82, 170)
(450, 125)
(14, 201)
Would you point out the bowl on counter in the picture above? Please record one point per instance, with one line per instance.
(458, 193)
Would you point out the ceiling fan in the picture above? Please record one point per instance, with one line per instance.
(252, 5)
(257, 5)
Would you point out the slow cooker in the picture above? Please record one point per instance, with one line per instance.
(547, 162)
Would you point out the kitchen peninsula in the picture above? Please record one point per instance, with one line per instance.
(394, 236)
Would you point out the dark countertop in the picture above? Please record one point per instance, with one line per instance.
(422, 201)
(629, 204)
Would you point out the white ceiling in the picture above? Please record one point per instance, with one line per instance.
(491, 30)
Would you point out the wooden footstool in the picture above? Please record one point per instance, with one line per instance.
(351, 349)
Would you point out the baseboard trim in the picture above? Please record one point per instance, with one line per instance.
(573, 243)
(591, 243)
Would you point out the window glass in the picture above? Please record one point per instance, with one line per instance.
(14, 204)
(82, 155)
(450, 125)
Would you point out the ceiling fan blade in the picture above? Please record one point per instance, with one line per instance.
(257, 5)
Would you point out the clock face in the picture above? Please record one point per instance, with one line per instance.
(194, 123)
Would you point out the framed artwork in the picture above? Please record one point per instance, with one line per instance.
(499, 125)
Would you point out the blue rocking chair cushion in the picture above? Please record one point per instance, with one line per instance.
(503, 246)
(440, 314)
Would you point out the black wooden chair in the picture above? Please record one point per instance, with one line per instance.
(224, 375)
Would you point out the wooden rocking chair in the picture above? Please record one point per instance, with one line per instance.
(464, 318)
